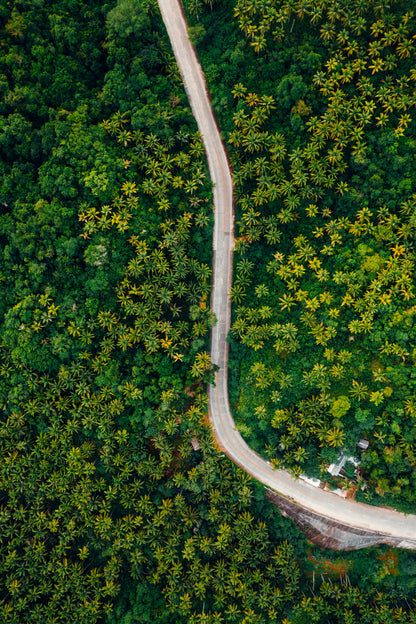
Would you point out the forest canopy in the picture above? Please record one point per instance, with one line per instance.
(323, 153)
(116, 506)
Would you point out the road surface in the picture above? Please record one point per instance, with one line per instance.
(358, 515)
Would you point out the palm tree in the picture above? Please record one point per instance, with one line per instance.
(300, 455)
(237, 293)
(202, 365)
(335, 437)
(254, 141)
(239, 90)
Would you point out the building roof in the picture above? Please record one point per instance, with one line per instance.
(335, 469)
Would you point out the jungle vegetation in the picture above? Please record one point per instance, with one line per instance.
(115, 504)
(318, 100)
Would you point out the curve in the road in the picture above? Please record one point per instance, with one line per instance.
(385, 522)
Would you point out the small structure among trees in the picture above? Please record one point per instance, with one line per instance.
(335, 468)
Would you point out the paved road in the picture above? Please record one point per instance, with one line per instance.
(358, 515)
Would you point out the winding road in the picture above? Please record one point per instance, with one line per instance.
(401, 528)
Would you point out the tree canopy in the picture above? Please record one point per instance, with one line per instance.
(115, 504)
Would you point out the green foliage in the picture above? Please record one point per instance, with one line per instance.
(340, 406)
(196, 33)
(115, 504)
(83, 403)
(128, 18)
(327, 220)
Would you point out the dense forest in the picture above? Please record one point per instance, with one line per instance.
(323, 150)
(116, 506)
